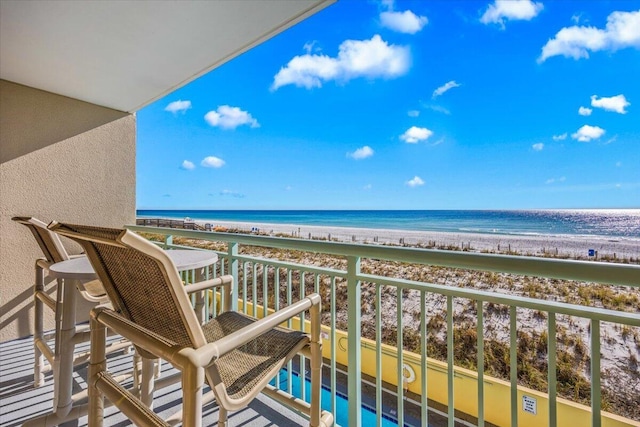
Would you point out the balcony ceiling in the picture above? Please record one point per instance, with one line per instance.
(127, 54)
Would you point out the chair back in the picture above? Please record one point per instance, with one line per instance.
(49, 242)
(140, 279)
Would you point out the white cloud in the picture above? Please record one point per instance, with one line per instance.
(387, 4)
(438, 109)
(413, 113)
(538, 147)
(356, 58)
(212, 162)
(415, 134)
(178, 106)
(187, 165)
(438, 142)
(361, 153)
(310, 46)
(232, 194)
(228, 117)
(415, 181)
(510, 10)
(622, 31)
(584, 111)
(616, 103)
(552, 180)
(403, 22)
(586, 133)
(445, 87)
(560, 137)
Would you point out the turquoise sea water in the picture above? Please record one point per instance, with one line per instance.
(608, 223)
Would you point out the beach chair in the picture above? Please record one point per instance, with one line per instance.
(235, 354)
(92, 291)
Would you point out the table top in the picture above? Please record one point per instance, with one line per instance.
(80, 268)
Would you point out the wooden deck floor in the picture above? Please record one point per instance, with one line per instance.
(20, 400)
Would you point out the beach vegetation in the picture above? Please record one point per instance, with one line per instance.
(539, 315)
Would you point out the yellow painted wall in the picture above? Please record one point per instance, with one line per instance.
(497, 393)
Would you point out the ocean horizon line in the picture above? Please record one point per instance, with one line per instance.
(609, 223)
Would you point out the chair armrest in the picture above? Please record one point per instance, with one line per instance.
(43, 263)
(208, 353)
(211, 283)
(139, 336)
(223, 281)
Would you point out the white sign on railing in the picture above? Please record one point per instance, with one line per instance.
(529, 404)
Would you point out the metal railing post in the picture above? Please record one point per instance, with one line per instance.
(551, 370)
(596, 391)
(513, 363)
(480, 349)
(232, 251)
(354, 352)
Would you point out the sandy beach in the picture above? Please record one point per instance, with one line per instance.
(565, 245)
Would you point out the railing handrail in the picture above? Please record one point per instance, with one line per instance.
(588, 271)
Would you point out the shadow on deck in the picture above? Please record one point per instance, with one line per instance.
(21, 401)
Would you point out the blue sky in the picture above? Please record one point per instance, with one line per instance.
(410, 105)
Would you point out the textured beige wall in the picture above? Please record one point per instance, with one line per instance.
(62, 159)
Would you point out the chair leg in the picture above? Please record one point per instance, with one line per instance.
(148, 381)
(316, 383)
(38, 318)
(63, 369)
(222, 417)
(137, 372)
(192, 385)
(158, 368)
(97, 364)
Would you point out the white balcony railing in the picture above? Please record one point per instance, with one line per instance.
(267, 283)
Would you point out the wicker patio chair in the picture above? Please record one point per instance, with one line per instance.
(235, 354)
(53, 252)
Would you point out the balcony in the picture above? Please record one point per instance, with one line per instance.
(367, 289)
(363, 286)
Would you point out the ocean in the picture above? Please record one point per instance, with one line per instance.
(606, 223)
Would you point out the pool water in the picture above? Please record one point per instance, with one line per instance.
(342, 407)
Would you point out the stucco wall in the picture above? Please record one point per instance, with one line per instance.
(62, 159)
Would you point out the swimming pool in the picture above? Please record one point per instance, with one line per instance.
(342, 406)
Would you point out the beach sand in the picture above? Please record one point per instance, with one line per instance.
(565, 245)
